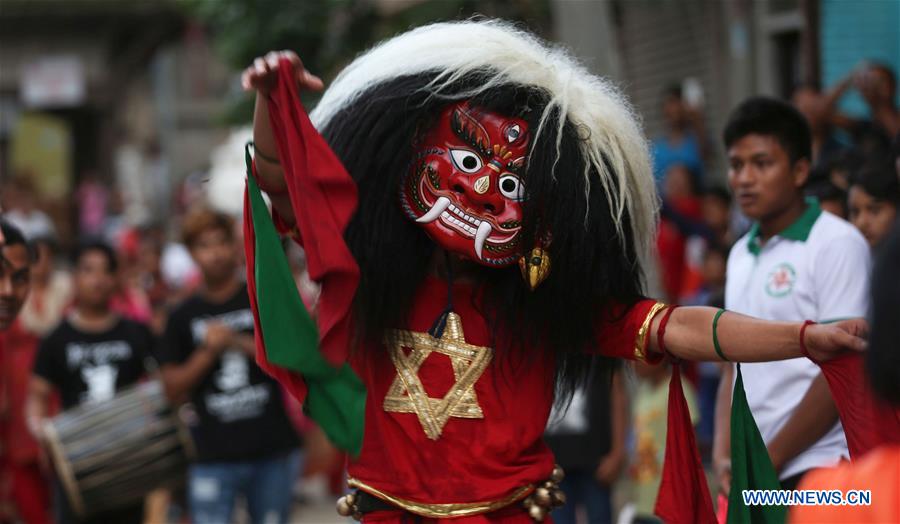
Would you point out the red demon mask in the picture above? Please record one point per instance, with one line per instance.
(465, 185)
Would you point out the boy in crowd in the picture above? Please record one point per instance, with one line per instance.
(90, 356)
(796, 263)
(874, 198)
(245, 442)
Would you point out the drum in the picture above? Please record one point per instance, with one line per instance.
(109, 455)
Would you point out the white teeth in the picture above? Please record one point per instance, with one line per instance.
(461, 214)
(453, 215)
(484, 229)
(435, 211)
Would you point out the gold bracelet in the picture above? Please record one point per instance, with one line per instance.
(641, 340)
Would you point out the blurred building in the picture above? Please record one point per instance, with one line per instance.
(853, 31)
(127, 92)
(132, 90)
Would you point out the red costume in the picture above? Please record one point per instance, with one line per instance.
(457, 422)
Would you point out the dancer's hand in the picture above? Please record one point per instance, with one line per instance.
(262, 77)
(262, 74)
(826, 341)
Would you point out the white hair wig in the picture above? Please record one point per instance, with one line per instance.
(611, 140)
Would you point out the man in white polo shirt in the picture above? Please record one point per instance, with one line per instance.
(796, 263)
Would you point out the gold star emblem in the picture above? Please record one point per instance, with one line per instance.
(407, 395)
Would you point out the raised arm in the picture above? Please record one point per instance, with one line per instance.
(689, 335)
(261, 77)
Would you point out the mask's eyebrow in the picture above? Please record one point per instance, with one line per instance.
(470, 131)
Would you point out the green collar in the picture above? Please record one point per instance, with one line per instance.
(798, 231)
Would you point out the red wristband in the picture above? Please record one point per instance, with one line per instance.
(803, 349)
(661, 331)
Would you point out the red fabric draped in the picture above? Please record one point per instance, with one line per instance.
(868, 422)
(323, 198)
(683, 492)
(291, 381)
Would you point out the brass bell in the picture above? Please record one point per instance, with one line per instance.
(559, 498)
(537, 513)
(344, 507)
(558, 474)
(542, 496)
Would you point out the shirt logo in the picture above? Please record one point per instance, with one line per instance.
(100, 381)
(234, 372)
(780, 281)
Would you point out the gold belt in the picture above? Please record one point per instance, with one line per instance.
(437, 511)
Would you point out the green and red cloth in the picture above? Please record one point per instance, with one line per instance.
(308, 358)
(684, 496)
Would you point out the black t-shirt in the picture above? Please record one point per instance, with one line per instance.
(240, 409)
(90, 367)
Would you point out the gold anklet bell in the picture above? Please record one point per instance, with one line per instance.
(546, 496)
(346, 506)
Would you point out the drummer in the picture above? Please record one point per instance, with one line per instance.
(90, 356)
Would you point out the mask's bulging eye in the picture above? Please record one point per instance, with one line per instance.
(512, 188)
(513, 133)
(466, 161)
